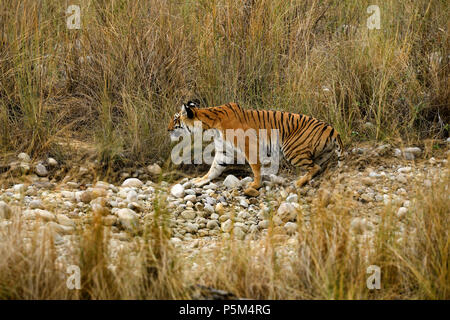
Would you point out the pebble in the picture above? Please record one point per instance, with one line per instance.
(128, 219)
(24, 157)
(227, 225)
(287, 212)
(402, 212)
(5, 210)
(177, 191)
(231, 182)
(41, 170)
(132, 183)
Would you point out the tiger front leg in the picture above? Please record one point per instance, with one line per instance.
(252, 189)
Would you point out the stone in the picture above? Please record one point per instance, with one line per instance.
(35, 204)
(177, 191)
(293, 198)
(401, 212)
(276, 179)
(40, 170)
(65, 220)
(264, 224)
(24, 157)
(239, 233)
(5, 210)
(220, 209)
(427, 183)
(154, 169)
(52, 162)
(191, 227)
(291, 227)
(132, 196)
(132, 183)
(227, 225)
(128, 219)
(209, 208)
(189, 214)
(44, 215)
(231, 182)
(212, 224)
(190, 197)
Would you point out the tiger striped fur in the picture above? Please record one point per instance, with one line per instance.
(304, 141)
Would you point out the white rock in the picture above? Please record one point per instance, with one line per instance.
(231, 182)
(19, 188)
(404, 169)
(177, 191)
(290, 227)
(41, 170)
(190, 197)
(132, 183)
(24, 157)
(292, 198)
(264, 224)
(65, 220)
(287, 212)
(45, 215)
(128, 219)
(402, 212)
(188, 214)
(358, 225)
(414, 150)
(209, 208)
(52, 162)
(427, 183)
(276, 179)
(238, 233)
(227, 225)
(35, 204)
(132, 196)
(191, 227)
(154, 169)
(212, 224)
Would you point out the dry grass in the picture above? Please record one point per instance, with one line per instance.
(116, 81)
(326, 261)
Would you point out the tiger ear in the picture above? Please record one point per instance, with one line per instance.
(187, 111)
(194, 103)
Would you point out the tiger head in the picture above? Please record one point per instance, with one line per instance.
(183, 122)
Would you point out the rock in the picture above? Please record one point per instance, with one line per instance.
(383, 149)
(41, 170)
(109, 220)
(44, 215)
(264, 224)
(60, 229)
(220, 208)
(243, 203)
(154, 169)
(86, 196)
(276, 179)
(35, 204)
(427, 183)
(291, 227)
(366, 197)
(132, 196)
(102, 185)
(190, 197)
(293, 198)
(212, 224)
(52, 162)
(251, 192)
(404, 170)
(367, 181)
(227, 225)
(24, 157)
(189, 214)
(397, 152)
(402, 179)
(287, 212)
(132, 183)
(128, 219)
(238, 233)
(209, 208)
(64, 220)
(191, 227)
(177, 191)
(19, 188)
(231, 182)
(5, 210)
(402, 212)
(414, 150)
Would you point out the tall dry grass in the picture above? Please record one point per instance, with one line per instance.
(325, 261)
(116, 81)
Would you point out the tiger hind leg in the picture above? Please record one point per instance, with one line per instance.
(314, 169)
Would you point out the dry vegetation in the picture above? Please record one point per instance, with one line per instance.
(325, 261)
(114, 83)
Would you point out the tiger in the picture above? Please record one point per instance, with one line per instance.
(304, 141)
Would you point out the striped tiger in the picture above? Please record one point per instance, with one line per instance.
(303, 140)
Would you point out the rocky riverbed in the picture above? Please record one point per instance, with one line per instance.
(372, 178)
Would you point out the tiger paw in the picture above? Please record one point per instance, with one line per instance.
(199, 182)
(251, 192)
